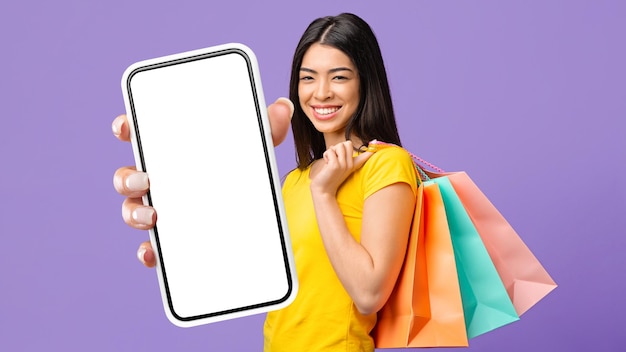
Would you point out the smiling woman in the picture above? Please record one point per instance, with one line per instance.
(348, 213)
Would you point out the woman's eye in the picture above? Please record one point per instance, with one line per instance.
(340, 78)
(306, 78)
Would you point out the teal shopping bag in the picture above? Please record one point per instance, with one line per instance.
(486, 304)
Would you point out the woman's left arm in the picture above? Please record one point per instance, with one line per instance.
(368, 270)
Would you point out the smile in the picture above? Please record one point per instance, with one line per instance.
(326, 111)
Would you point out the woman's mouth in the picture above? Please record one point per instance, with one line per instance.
(325, 113)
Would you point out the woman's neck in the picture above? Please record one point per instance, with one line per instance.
(335, 138)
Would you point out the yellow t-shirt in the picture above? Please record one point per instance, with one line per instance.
(323, 317)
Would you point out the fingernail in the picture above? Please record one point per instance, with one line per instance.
(116, 127)
(140, 253)
(289, 103)
(143, 215)
(136, 181)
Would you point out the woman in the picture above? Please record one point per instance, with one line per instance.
(349, 213)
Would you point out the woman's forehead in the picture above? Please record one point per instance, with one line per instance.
(320, 57)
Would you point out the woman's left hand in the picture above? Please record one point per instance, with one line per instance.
(337, 164)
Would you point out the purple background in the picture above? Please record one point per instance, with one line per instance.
(527, 96)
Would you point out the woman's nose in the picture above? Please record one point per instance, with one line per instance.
(323, 90)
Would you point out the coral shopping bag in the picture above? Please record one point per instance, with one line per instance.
(486, 303)
(523, 276)
(425, 307)
(525, 279)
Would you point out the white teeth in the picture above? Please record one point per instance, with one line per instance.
(325, 111)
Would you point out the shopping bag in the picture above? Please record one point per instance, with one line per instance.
(470, 212)
(486, 303)
(523, 276)
(525, 279)
(425, 307)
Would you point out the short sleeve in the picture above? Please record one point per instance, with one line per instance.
(386, 167)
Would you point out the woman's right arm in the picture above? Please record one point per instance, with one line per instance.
(133, 184)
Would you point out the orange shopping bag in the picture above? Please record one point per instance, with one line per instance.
(425, 307)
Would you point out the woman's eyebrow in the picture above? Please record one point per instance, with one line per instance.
(332, 70)
(337, 69)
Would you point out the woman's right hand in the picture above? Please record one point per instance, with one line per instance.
(134, 184)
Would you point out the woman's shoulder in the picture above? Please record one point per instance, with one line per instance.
(388, 165)
(388, 153)
(294, 176)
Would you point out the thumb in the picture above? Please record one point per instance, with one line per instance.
(360, 159)
(280, 113)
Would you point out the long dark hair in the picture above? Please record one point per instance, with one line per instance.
(374, 117)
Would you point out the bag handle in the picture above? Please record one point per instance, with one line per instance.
(420, 164)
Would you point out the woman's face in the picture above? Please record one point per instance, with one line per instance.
(328, 90)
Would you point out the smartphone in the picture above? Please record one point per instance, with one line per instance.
(199, 128)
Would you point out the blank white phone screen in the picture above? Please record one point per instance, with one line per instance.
(202, 143)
